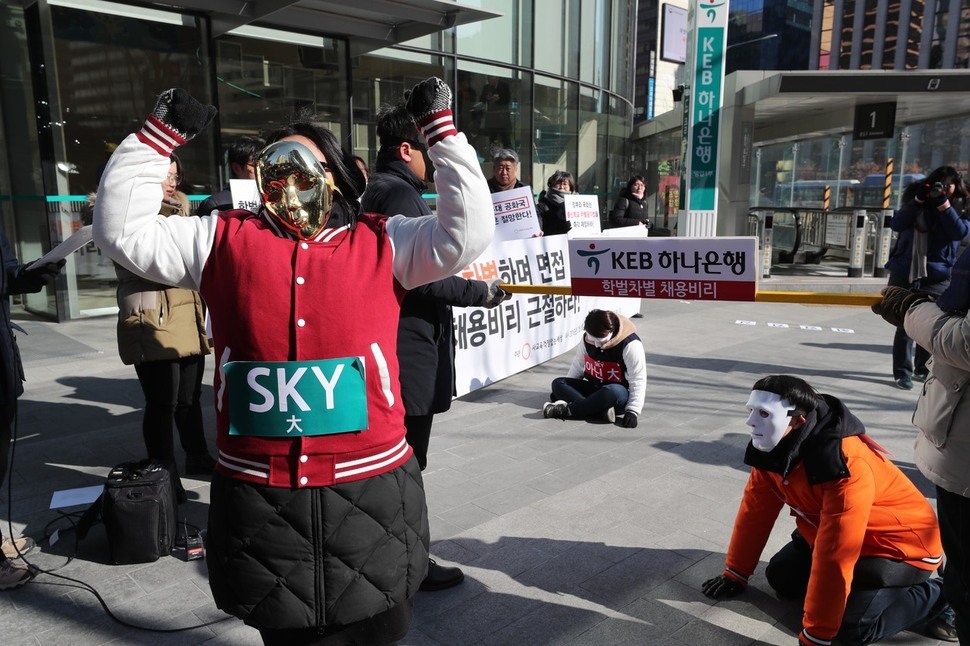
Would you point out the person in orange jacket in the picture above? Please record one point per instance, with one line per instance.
(866, 541)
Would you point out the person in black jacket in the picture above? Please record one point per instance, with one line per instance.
(425, 341)
(241, 154)
(551, 205)
(630, 209)
(15, 279)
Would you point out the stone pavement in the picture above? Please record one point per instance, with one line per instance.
(568, 532)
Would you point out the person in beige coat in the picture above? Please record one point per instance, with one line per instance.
(942, 451)
(161, 331)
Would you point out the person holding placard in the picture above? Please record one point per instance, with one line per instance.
(551, 205)
(505, 171)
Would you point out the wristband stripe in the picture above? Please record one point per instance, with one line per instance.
(438, 126)
(160, 137)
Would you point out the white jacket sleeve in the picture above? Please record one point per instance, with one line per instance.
(636, 375)
(945, 336)
(129, 230)
(430, 248)
(578, 367)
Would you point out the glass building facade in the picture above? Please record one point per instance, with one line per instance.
(80, 75)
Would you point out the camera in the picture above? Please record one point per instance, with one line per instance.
(937, 190)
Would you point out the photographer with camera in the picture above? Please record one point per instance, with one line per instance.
(930, 226)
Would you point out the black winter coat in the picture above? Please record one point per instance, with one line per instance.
(13, 280)
(629, 210)
(425, 338)
(551, 208)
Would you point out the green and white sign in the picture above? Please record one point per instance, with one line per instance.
(706, 71)
(294, 398)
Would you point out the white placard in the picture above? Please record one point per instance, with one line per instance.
(583, 212)
(245, 195)
(74, 497)
(515, 214)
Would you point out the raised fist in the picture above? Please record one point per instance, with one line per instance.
(427, 97)
(178, 110)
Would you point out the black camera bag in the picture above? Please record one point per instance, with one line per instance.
(138, 509)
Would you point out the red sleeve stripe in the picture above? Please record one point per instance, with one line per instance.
(438, 126)
(159, 136)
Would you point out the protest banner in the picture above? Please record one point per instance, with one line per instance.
(723, 268)
(515, 214)
(583, 212)
(245, 195)
(527, 329)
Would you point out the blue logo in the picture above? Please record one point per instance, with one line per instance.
(591, 258)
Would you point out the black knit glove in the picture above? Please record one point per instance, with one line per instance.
(429, 102)
(177, 118)
(922, 192)
(896, 301)
(722, 586)
(33, 280)
(178, 110)
(629, 420)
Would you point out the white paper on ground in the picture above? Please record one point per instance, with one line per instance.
(79, 496)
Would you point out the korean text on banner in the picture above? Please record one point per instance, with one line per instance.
(583, 212)
(723, 268)
(515, 214)
(527, 329)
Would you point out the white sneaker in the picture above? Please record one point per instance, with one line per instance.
(609, 415)
(557, 409)
(13, 575)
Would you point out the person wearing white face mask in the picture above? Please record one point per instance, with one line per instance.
(608, 374)
(866, 541)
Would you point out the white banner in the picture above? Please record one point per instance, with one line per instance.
(583, 212)
(527, 329)
(245, 195)
(515, 214)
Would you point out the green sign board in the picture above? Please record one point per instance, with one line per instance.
(294, 398)
(705, 106)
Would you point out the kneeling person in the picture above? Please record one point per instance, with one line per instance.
(866, 541)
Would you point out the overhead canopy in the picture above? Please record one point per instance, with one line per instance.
(367, 24)
(802, 105)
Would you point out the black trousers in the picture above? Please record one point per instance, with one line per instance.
(419, 436)
(173, 392)
(953, 511)
(886, 597)
(382, 629)
(7, 415)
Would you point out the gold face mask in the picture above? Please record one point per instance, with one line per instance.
(295, 188)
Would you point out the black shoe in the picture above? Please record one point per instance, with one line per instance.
(201, 464)
(556, 410)
(441, 577)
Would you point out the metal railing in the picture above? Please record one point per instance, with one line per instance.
(805, 235)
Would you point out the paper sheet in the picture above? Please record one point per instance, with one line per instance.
(79, 496)
(77, 240)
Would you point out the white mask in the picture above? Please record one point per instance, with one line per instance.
(599, 342)
(770, 417)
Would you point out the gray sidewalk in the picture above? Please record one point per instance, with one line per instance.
(568, 532)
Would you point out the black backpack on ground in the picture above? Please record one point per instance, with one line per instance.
(138, 509)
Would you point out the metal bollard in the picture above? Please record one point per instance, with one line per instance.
(857, 254)
(885, 240)
(766, 246)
